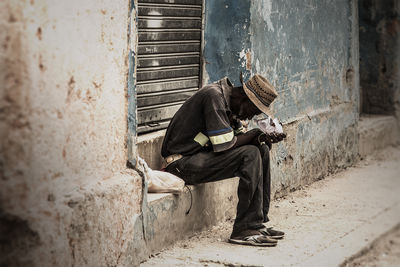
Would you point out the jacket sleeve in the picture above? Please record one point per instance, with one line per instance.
(219, 130)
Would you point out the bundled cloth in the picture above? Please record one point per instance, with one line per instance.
(161, 181)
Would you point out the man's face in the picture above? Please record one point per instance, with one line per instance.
(247, 110)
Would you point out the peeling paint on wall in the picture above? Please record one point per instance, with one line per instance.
(265, 10)
(245, 59)
(305, 49)
(227, 39)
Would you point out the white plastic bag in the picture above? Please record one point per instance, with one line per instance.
(161, 182)
(270, 126)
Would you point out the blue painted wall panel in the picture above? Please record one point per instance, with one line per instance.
(306, 49)
(226, 35)
(303, 48)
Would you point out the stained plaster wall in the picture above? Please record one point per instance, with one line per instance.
(309, 51)
(66, 197)
(64, 108)
(226, 39)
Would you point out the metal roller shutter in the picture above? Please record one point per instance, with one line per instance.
(169, 48)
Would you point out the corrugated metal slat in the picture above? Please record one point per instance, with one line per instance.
(154, 114)
(173, 35)
(150, 127)
(185, 2)
(149, 100)
(169, 23)
(166, 73)
(167, 85)
(168, 60)
(160, 48)
(169, 11)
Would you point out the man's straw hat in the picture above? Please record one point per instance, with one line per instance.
(259, 91)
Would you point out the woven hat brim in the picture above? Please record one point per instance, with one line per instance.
(253, 98)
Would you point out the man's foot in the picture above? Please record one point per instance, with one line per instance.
(252, 238)
(269, 232)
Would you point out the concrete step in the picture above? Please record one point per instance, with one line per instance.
(166, 219)
(325, 223)
(377, 132)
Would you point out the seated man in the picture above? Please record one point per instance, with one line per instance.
(204, 143)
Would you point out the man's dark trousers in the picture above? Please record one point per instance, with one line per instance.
(250, 163)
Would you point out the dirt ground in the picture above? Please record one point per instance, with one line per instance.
(385, 251)
(340, 228)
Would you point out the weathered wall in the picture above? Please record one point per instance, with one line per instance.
(309, 51)
(226, 39)
(379, 56)
(63, 127)
(66, 197)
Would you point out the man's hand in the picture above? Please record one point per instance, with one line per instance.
(277, 137)
(270, 139)
(256, 137)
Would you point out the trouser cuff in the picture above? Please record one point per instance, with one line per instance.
(241, 227)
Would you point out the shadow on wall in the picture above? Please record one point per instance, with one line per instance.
(379, 59)
(17, 241)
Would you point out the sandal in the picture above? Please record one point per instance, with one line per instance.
(269, 232)
(254, 240)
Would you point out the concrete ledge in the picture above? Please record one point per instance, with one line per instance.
(377, 132)
(100, 222)
(164, 220)
(165, 217)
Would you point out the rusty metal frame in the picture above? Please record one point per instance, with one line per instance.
(202, 60)
(131, 84)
